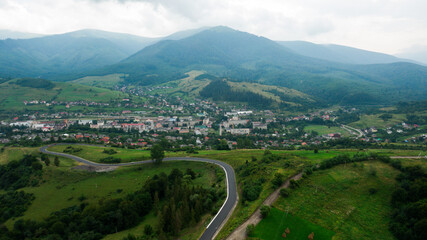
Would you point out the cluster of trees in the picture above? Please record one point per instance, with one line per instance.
(109, 151)
(219, 90)
(35, 83)
(409, 202)
(14, 204)
(71, 149)
(22, 173)
(110, 159)
(177, 203)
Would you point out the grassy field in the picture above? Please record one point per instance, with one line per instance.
(107, 81)
(15, 153)
(339, 199)
(322, 130)
(13, 95)
(374, 121)
(277, 222)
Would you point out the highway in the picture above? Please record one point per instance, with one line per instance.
(217, 222)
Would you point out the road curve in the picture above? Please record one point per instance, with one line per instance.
(226, 209)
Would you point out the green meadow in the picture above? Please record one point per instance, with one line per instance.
(351, 200)
(277, 221)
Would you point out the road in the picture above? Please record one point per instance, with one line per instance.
(353, 130)
(225, 211)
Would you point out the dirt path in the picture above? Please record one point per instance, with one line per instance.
(240, 232)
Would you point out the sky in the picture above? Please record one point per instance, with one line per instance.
(388, 26)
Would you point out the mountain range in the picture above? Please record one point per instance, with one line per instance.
(331, 73)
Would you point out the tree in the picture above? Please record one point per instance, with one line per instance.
(56, 161)
(265, 210)
(277, 180)
(157, 154)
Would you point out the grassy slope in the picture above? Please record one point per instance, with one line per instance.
(278, 221)
(338, 199)
(13, 96)
(15, 153)
(374, 121)
(264, 90)
(108, 81)
(189, 87)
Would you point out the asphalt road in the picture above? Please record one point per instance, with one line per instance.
(220, 217)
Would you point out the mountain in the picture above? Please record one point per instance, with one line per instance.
(339, 53)
(72, 53)
(417, 53)
(5, 34)
(127, 42)
(244, 57)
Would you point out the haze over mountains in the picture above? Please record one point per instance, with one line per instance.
(331, 73)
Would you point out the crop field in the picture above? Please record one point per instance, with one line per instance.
(277, 221)
(351, 200)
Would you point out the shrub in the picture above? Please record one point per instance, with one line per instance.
(265, 210)
(284, 192)
(293, 183)
(109, 151)
(277, 180)
(250, 229)
(373, 191)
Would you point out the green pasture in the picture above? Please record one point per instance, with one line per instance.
(275, 224)
(339, 199)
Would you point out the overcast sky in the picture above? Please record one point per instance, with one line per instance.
(388, 26)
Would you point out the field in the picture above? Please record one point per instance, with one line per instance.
(63, 187)
(374, 121)
(322, 130)
(277, 222)
(339, 199)
(13, 95)
(15, 153)
(108, 81)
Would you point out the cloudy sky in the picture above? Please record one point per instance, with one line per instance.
(389, 26)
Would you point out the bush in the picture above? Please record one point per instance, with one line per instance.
(148, 230)
(110, 160)
(372, 172)
(277, 180)
(373, 191)
(265, 210)
(284, 192)
(109, 151)
(293, 184)
(250, 229)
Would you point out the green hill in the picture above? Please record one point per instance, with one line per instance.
(199, 84)
(16, 91)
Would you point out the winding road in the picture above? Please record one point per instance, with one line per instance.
(220, 218)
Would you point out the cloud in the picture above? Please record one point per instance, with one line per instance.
(379, 25)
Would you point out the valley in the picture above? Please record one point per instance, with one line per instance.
(194, 135)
